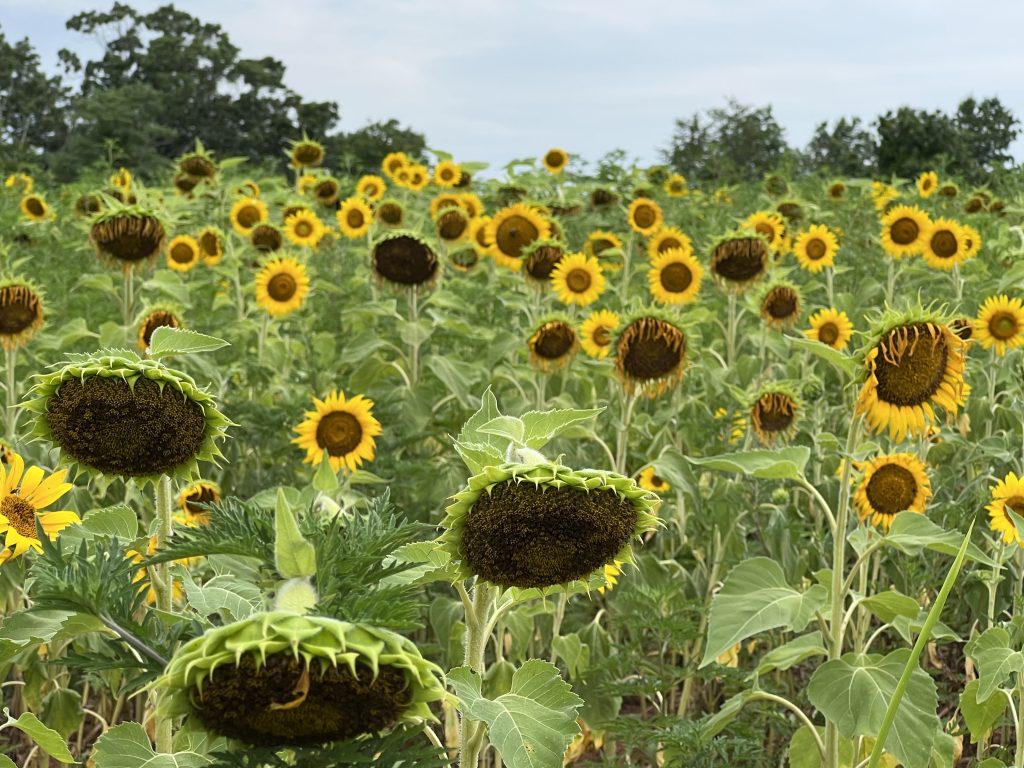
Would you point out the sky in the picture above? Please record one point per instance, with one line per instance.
(496, 80)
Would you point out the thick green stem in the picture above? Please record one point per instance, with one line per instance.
(12, 395)
(730, 335)
(479, 616)
(164, 586)
(1018, 757)
(993, 585)
(261, 341)
(414, 345)
(128, 297)
(622, 443)
(890, 282)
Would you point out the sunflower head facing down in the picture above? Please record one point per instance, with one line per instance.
(23, 494)
(344, 428)
(674, 276)
(781, 306)
(390, 213)
(21, 312)
(512, 229)
(597, 332)
(816, 248)
(903, 231)
(915, 361)
(555, 160)
(891, 484)
(739, 260)
(192, 496)
(281, 286)
(553, 344)
(452, 226)
(157, 317)
(126, 235)
(578, 279)
(831, 327)
(774, 413)
(1007, 495)
(539, 258)
(645, 216)
(1000, 324)
(649, 354)
(403, 260)
(305, 153)
(836, 191)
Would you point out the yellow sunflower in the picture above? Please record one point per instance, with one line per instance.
(444, 200)
(903, 231)
(892, 484)
(305, 183)
(246, 213)
(354, 217)
(645, 216)
(306, 153)
(20, 179)
(944, 244)
(674, 277)
(972, 241)
(768, 224)
(553, 345)
(836, 191)
(199, 492)
(882, 194)
(281, 286)
(394, 162)
(21, 312)
(304, 228)
(472, 204)
(371, 187)
(578, 279)
(1009, 492)
(183, 253)
(832, 327)
(24, 494)
(650, 481)
(211, 245)
(478, 228)
(344, 428)
(675, 185)
(816, 248)
(34, 207)
(596, 333)
(419, 177)
(555, 160)
(606, 247)
(447, 173)
(513, 228)
(927, 183)
(668, 238)
(1000, 324)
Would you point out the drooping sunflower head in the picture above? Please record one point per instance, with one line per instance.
(904, 228)
(512, 229)
(371, 187)
(602, 198)
(769, 225)
(246, 213)
(774, 413)
(447, 173)
(185, 184)
(285, 679)
(666, 239)
(343, 427)
(1000, 324)
(88, 204)
(1007, 495)
(282, 286)
(949, 190)
(304, 228)
(606, 247)
(128, 236)
(539, 259)
(183, 253)
(306, 153)
(740, 259)
(927, 183)
(553, 344)
(891, 484)
(194, 495)
(816, 248)
(21, 312)
(650, 351)
(832, 327)
(914, 361)
(836, 191)
(199, 164)
(464, 259)
(945, 244)
(555, 160)
(390, 213)
(597, 333)
(544, 525)
(674, 276)
(645, 216)
(977, 202)
(578, 279)
(157, 316)
(34, 207)
(211, 245)
(326, 191)
(404, 260)
(452, 225)
(792, 211)
(675, 185)
(120, 415)
(781, 305)
(266, 238)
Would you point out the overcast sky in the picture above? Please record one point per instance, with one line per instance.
(495, 80)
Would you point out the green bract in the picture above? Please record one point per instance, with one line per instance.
(283, 678)
(536, 526)
(120, 415)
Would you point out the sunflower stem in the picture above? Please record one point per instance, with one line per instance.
(414, 344)
(164, 587)
(12, 395)
(730, 336)
(993, 585)
(261, 340)
(128, 297)
(627, 258)
(890, 282)
(472, 735)
(626, 402)
(829, 274)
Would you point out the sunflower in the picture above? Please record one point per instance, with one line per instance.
(34, 207)
(402, 259)
(553, 345)
(390, 212)
(555, 160)
(478, 229)
(183, 253)
(88, 204)
(645, 216)
(1000, 324)
(24, 494)
(452, 226)
(419, 177)
(266, 238)
(343, 427)
(836, 191)
(540, 259)
(281, 286)
(211, 245)
(736, 428)
(774, 413)
(248, 188)
(596, 333)
(738, 261)
(371, 187)
(882, 194)
(354, 217)
(650, 481)
(769, 225)
(916, 362)
(394, 162)
(832, 327)
(816, 248)
(649, 354)
(675, 185)
(442, 201)
(578, 279)
(157, 317)
(198, 164)
(927, 183)
(447, 173)
(892, 484)
(606, 247)
(304, 228)
(780, 306)
(944, 244)
(512, 229)
(471, 204)
(306, 153)
(464, 259)
(674, 277)
(903, 231)
(949, 190)
(602, 198)
(21, 312)
(246, 213)
(305, 183)
(20, 179)
(1008, 492)
(122, 179)
(199, 492)
(184, 184)
(972, 241)
(127, 235)
(668, 238)
(326, 191)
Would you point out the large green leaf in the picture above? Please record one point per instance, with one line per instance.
(228, 596)
(838, 359)
(911, 532)
(533, 723)
(789, 654)
(980, 716)
(127, 746)
(854, 692)
(756, 597)
(120, 520)
(542, 426)
(996, 660)
(890, 604)
(784, 463)
(51, 742)
(167, 341)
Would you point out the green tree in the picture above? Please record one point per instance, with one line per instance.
(31, 105)
(362, 151)
(848, 149)
(987, 128)
(911, 141)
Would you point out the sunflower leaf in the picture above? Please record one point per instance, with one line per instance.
(996, 661)
(48, 739)
(167, 341)
(782, 464)
(119, 520)
(836, 358)
(127, 746)
(980, 716)
(542, 426)
(911, 532)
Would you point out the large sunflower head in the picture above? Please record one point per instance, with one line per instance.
(927, 183)
(354, 217)
(674, 276)
(162, 316)
(816, 248)
(597, 332)
(945, 244)
(738, 260)
(196, 494)
(452, 226)
(34, 207)
(578, 279)
(769, 225)
(774, 413)
(555, 160)
(1000, 324)
(371, 187)
(120, 415)
(553, 344)
(915, 361)
(667, 239)
(285, 679)
(128, 236)
(304, 228)
(306, 153)
(781, 305)
(903, 231)
(281, 286)
(403, 260)
(891, 484)
(183, 253)
(21, 312)
(23, 494)
(544, 525)
(832, 327)
(645, 216)
(211, 245)
(344, 428)
(1008, 494)
(649, 354)
(246, 213)
(512, 229)
(447, 173)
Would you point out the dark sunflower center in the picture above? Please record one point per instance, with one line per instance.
(578, 280)
(185, 183)
(447, 174)
(774, 412)
(156, 320)
(944, 244)
(1003, 325)
(974, 205)
(891, 489)
(649, 349)
(602, 337)
(668, 244)
(451, 226)
(541, 262)
(20, 514)
(303, 229)
(182, 253)
(128, 238)
(815, 249)
(645, 216)
(904, 231)
(828, 333)
(248, 216)
(675, 185)
(657, 481)
(836, 190)
(327, 190)
(391, 213)
(282, 286)
(554, 341)
(266, 238)
(1016, 503)
(676, 277)
(963, 328)
(740, 260)
(763, 228)
(203, 495)
(307, 154)
(404, 260)
(35, 206)
(781, 303)
(198, 166)
(339, 432)
(515, 233)
(355, 218)
(210, 243)
(554, 159)
(522, 535)
(601, 245)
(602, 197)
(911, 364)
(19, 309)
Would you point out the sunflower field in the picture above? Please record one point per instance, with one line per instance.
(533, 468)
